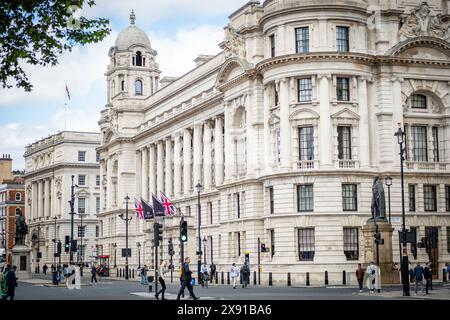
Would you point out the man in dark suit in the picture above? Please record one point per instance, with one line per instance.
(11, 281)
(186, 278)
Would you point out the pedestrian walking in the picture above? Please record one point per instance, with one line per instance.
(93, 274)
(162, 280)
(143, 275)
(427, 276)
(9, 284)
(212, 269)
(418, 278)
(411, 273)
(186, 277)
(44, 268)
(234, 273)
(371, 276)
(205, 275)
(360, 277)
(245, 274)
(448, 271)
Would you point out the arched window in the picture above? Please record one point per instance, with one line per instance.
(139, 59)
(122, 85)
(418, 101)
(138, 87)
(18, 196)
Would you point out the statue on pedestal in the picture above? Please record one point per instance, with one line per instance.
(378, 205)
(21, 230)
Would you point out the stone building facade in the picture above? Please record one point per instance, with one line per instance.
(285, 129)
(50, 164)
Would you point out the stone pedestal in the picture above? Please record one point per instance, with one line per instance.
(388, 273)
(21, 259)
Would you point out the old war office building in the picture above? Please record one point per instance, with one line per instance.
(285, 130)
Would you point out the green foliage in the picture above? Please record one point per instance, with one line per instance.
(38, 32)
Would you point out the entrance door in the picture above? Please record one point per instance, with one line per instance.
(433, 249)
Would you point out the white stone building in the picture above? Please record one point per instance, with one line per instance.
(50, 164)
(285, 129)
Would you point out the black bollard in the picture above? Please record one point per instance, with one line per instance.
(444, 275)
(133, 273)
(344, 278)
(307, 279)
(228, 278)
(254, 278)
(289, 279)
(326, 278)
(216, 278)
(270, 279)
(117, 273)
(120, 272)
(222, 278)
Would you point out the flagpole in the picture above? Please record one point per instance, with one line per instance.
(65, 111)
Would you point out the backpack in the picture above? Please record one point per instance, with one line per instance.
(4, 283)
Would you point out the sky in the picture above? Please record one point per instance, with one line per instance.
(179, 30)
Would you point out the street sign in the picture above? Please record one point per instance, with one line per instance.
(124, 252)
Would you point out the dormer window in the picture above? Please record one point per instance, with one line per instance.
(418, 101)
(139, 59)
(138, 87)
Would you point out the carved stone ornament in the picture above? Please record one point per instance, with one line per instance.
(420, 23)
(234, 44)
(58, 185)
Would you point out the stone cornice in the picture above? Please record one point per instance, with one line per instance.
(61, 165)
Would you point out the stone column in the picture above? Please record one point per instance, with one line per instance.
(397, 116)
(46, 197)
(52, 197)
(102, 187)
(152, 170)
(34, 200)
(218, 150)
(267, 156)
(160, 168)
(109, 184)
(364, 129)
(187, 186)
(285, 127)
(197, 154)
(207, 156)
(169, 177)
(39, 199)
(177, 165)
(145, 167)
(325, 126)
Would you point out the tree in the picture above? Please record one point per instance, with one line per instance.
(38, 32)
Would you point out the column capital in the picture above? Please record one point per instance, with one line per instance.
(397, 78)
(177, 134)
(218, 117)
(324, 75)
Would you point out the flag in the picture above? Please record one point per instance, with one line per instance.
(148, 210)
(169, 207)
(138, 208)
(67, 92)
(158, 208)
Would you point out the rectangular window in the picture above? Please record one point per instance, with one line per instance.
(97, 156)
(272, 242)
(302, 39)
(435, 144)
(306, 244)
(419, 143)
(448, 239)
(344, 142)
(305, 197)
(211, 244)
(81, 231)
(429, 198)
(271, 200)
(81, 156)
(272, 45)
(447, 198)
(418, 101)
(342, 39)
(210, 206)
(306, 143)
(81, 179)
(238, 244)
(351, 243)
(412, 197)
(97, 205)
(238, 204)
(81, 205)
(414, 244)
(304, 89)
(349, 197)
(97, 180)
(97, 231)
(342, 89)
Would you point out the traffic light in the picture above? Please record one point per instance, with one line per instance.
(183, 231)
(58, 248)
(171, 253)
(74, 246)
(157, 233)
(378, 239)
(67, 244)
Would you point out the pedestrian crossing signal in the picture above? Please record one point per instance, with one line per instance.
(183, 231)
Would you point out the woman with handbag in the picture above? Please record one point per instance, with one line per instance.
(162, 280)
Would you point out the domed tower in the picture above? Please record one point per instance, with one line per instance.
(132, 72)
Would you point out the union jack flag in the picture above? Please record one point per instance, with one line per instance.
(169, 207)
(138, 208)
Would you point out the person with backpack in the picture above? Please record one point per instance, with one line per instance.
(204, 274)
(234, 273)
(186, 277)
(245, 274)
(9, 284)
(418, 278)
(143, 275)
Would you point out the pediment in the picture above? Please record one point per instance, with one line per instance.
(304, 114)
(428, 48)
(232, 69)
(345, 114)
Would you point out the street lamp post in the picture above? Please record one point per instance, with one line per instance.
(138, 244)
(388, 182)
(72, 213)
(205, 241)
(54, 241)
(115, 254)
(126, 219)
(199, 189)
(405, 277)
